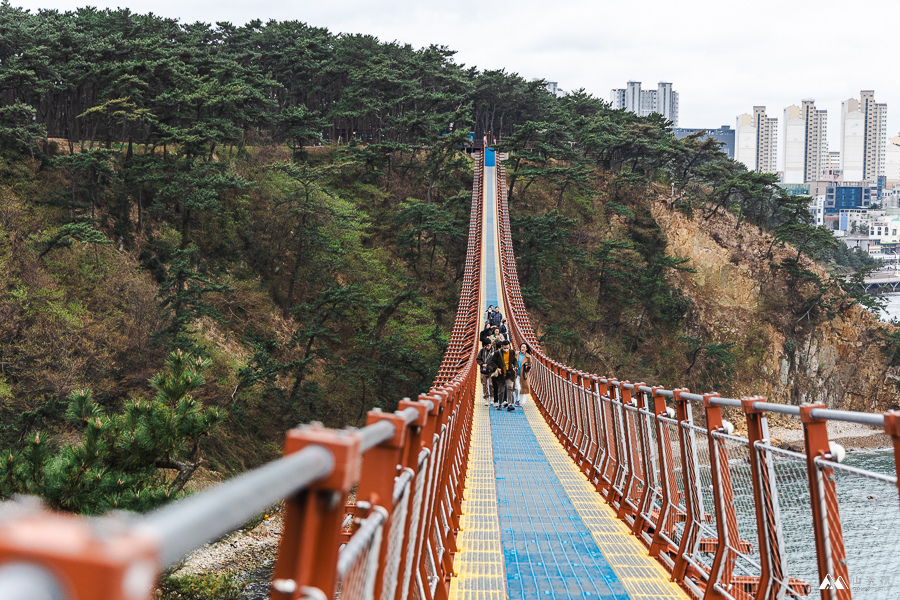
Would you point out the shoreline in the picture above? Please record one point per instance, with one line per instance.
(851, 436)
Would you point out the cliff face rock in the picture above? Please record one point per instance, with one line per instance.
(740, 298)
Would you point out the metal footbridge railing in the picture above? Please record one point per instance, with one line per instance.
(727, 516)
(397, 540)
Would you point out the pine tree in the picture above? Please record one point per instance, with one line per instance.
(121, 459)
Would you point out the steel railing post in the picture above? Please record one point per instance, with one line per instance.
(688, 460)
(43, 552)
(411, 460)
(830, 556)
(644, 504)
(769, 563)
(588, 382)
(380, 466)
(666, 481)
(624, 501)
(310, 541)
(892, 428)
(721, 572)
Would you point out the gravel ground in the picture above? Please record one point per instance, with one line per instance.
(248, 555)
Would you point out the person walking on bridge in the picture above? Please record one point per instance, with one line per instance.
(486, 333)
(489, 315)
(504, 330)
(496, 317)
(484, 363)
(505, 363)
(523, 389)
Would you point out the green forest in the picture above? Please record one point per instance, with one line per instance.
(212, 233)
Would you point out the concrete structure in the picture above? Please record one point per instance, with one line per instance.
(663, 100)
(724, 135)
(756, 139)
(892, 162)
(553, 88)
(834, 159)
(863, 137)
(817, 209)
(856, 221)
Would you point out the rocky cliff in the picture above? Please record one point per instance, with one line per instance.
(739, 295)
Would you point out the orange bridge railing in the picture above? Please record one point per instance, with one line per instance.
(727, 516)
(396, 541)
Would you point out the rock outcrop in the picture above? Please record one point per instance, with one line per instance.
(739, 297)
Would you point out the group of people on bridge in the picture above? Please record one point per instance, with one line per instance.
(504, 371)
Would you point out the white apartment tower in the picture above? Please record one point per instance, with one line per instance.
(663, 100)
(805, 143)
(863, 138)
(756, 140)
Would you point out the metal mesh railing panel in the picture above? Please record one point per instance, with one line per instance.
(866, 503)
(621, 472)
(396, 542)
(743, 516)
(701, 553)
(654, 500)
(789, 512)
(632, 421)
(418, 494)
(674, 524)
(358, 560)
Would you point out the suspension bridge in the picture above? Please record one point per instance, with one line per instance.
(599, 488)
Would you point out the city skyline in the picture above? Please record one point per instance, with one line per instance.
(722, 61)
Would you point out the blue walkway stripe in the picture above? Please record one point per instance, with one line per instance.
(491, 295)
(548, 550)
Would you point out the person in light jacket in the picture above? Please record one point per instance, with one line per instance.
(524, 371)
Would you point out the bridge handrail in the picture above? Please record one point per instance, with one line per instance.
(396, 541)
(643, 457)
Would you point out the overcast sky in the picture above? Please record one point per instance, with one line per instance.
(722, 57)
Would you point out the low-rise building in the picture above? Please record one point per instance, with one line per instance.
(724, 135)
(840, 195)
(886, 229)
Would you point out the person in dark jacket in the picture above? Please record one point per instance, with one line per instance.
(486, 333)
(505, 364)
(484, 367)
(489, 315)
(504, 330)
(496, 317)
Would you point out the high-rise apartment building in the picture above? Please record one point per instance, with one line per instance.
(863, 138)
(756, 140)
(805, 143)
(663, 100)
